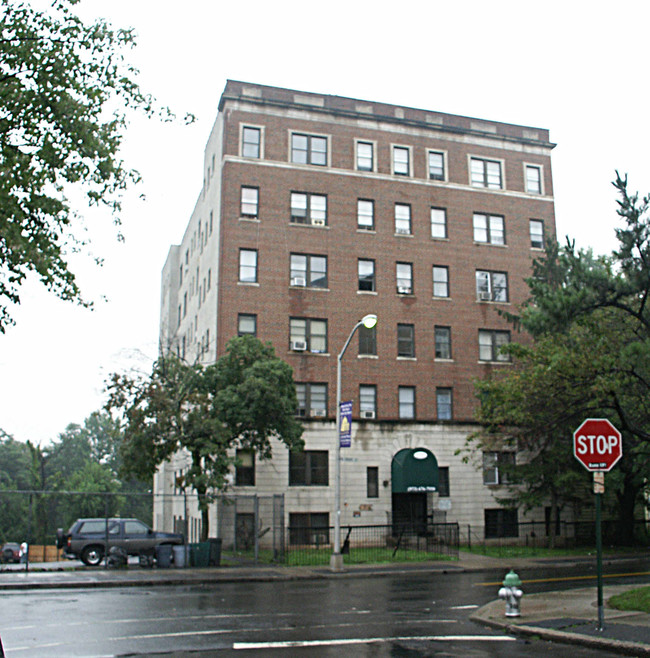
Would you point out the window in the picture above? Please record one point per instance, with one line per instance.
(309, 528)
(307, 270)
(365, 156)
(251, 142)
(308, 468)
(308, 209)
(440, 281)
(402, 218)
(533, 179)
(309, 149)
(501, 523)
(367, 400)
(372, 482)
(443, 403)
(436, 165)
(246, 324)
(443, 342)
(536, 233)
(438, 223)
(249, 202)
(407, 402)
(486, 173)
(365, 214)
(489, 228)
(404, 276)
(245, 468)
(366, 269)
(248, 265)
(406, 340)
(496, 465)
(491, 286)
(312, 399)
(309, 335)
(401, 161)
(443, 481)
(367, 341)
(490, 343)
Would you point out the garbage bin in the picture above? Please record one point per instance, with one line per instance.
(180, 556)
(164, 556)
(215, 551)
(200, 554)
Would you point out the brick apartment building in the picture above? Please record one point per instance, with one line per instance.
(317, 210)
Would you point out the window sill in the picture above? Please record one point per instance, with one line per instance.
(490, 244)
(447, 299)
(244, 218)
(441, 360)
(309, 225)
(406, 358)
(366, 292)
(492, 301)
(403, 235)
(367, 356)
(308, 288)
(253, 284)
(370, 231)
(495, 363)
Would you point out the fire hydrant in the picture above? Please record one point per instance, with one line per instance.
(511, 593)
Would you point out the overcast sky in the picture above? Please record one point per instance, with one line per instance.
(576, 68)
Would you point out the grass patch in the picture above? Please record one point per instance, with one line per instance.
(635, 599)
(538, 551)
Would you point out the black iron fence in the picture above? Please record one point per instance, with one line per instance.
(373, 543)
(538, 535)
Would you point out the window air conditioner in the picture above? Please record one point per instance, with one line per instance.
(298, 345)
(299, 281)
(318, 222)
(368, 414)
(402, 231)
(318, 412)
(484, 296)
(404, 290)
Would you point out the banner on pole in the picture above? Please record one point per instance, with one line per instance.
(345, 427)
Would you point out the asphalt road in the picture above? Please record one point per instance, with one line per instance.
(398, 615)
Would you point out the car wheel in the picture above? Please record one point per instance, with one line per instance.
(92, 555)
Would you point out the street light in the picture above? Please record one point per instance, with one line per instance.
(336, 561)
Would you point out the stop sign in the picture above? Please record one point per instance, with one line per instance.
(597, 444)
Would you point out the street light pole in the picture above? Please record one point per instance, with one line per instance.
(336, 561)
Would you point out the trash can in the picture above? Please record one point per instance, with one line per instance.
(200, 554)
(164, 556)
(215, 552)
(180, 556)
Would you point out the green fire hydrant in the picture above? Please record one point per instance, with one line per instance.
(511, 593)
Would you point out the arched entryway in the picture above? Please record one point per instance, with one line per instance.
(414, 476)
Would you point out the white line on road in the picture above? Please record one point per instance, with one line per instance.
(372, 640)
(464, 607)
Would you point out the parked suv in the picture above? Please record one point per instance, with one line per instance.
(86, 538)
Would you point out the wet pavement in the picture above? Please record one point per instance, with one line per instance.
(568, 616)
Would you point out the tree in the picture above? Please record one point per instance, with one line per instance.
(590, 321)
(244, 400)
(65, 90)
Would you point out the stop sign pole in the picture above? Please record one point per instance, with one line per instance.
(598, 446)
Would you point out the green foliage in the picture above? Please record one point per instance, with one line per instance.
(77, 472)
(244, 400)
(590, 320)
(65, 91)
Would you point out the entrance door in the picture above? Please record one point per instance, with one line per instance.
(409, 513)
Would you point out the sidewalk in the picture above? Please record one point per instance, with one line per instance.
(567, 617)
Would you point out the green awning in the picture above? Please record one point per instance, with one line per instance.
(414, 470)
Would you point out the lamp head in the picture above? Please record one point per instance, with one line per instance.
(369, 321)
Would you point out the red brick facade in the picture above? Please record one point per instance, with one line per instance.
(274, 237)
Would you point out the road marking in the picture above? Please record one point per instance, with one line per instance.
(464, 607)
(569, 578)
(371, 640)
